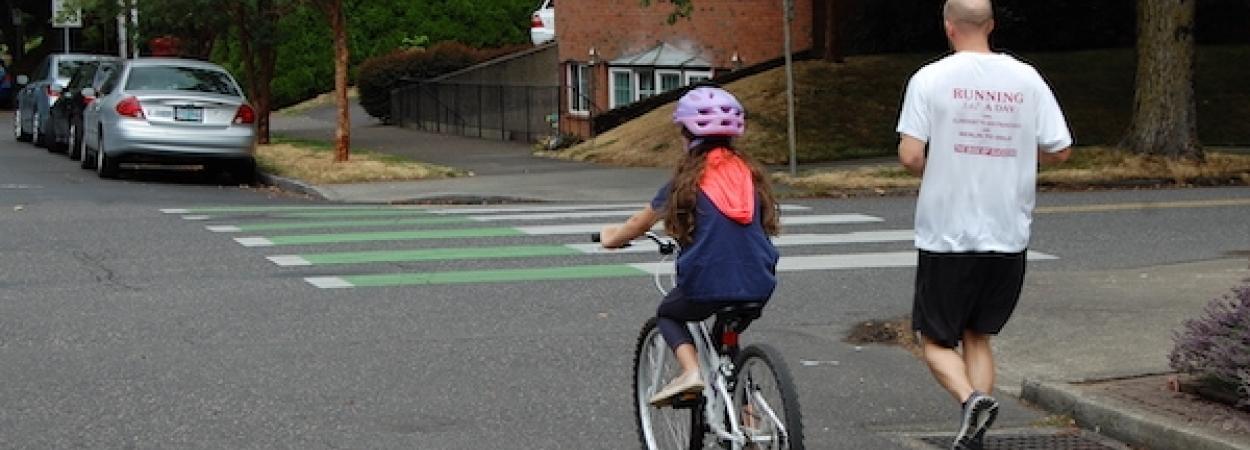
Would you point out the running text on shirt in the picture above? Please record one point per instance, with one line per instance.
(986, 121)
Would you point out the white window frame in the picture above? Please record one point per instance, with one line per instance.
(579, 104)
(659, 77)
(633, 85)
(696, 73)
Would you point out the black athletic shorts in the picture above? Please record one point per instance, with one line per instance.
(965, 291)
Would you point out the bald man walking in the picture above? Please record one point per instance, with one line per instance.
(987, 121)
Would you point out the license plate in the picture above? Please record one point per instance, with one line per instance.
(188, 114)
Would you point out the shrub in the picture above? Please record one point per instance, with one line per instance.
(379, 75)
(1216, 346)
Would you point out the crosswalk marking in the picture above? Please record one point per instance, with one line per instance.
(343, 224)
(309, 211)
(539, 230)
(787, 264)
(525, 251)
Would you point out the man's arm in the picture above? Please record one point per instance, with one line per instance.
(1052, 158)
(911, 154)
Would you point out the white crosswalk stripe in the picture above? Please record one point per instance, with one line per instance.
(813, 241)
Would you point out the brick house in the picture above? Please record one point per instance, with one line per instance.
(615, 52)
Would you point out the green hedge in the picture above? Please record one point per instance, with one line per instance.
(379, 75)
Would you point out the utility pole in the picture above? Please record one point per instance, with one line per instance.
(787, 17)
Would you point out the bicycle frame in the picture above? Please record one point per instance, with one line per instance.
(718, 370)
(719, 413)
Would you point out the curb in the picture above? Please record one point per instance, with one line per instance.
(290, 185)
(301, 187)
(1139, 428)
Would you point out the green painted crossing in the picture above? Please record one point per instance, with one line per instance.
(297, 225)
(332, 238)
(436, 254)
(479, 276)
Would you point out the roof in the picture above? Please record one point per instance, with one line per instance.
(662, 55)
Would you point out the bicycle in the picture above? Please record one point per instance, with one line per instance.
(761, 413)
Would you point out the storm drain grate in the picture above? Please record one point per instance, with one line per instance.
(1026, 442)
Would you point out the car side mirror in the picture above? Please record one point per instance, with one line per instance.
(87, 92)
(23, 79)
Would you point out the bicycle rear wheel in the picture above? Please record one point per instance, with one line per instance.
(660, 428)
(769, 402)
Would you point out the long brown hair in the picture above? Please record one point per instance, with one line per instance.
(679, 215)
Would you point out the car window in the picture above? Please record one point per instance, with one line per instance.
(174, 78)
(110, 83)
(82, 76)
(66, 67)
(105, 71)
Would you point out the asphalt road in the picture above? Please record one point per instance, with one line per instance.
(125, 327)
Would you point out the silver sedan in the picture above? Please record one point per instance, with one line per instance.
(157, 112)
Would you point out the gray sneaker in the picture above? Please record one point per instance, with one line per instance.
(978, 414)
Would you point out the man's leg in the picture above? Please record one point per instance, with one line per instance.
(949, 368)
(978, 359)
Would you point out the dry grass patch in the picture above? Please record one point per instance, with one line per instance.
(1097, 166)
(1089, 166)
(326, 99)
(317, 166)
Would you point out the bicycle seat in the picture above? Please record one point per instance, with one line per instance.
(748, 311)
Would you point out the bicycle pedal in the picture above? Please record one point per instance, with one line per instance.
(687, 400)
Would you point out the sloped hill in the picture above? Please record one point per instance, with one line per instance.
(849, 110)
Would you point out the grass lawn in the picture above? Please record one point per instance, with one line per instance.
(849, 110)
(313, 162)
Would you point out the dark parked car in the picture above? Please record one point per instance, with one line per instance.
(65, 116)
(30, 115)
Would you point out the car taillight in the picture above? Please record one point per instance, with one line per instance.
(130, 107)
(87, 99)
(536, 22)
(52, 91)
(246, 115)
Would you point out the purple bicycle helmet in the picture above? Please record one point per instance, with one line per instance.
(709, 111)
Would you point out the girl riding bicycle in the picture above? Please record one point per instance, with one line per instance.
(719, 206)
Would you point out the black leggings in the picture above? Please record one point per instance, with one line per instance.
(677, 309)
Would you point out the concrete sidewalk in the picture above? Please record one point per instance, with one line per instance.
(1121, 328)
(1073, 329)
(502, 171)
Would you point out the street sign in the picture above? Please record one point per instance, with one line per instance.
(63, 17)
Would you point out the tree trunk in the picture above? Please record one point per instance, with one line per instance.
(1165, 119)
(343, 131)
(259, 59)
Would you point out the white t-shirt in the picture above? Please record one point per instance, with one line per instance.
(984, 117)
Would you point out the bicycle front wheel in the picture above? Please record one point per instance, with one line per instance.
(660, 428)
(767, 399)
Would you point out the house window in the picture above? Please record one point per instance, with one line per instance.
(668, 79)
(579, 89)
(622, 87)
(696, 77)
(646, 83)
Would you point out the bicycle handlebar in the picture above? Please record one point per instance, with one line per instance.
(667, 247)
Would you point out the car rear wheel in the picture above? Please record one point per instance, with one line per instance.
(243, 172)
(18, 132)
(72, 146)
(37, 138)
(105, 167)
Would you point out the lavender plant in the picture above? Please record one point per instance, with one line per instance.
(1216, 346)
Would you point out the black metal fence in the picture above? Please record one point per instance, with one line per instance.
(512, 113)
